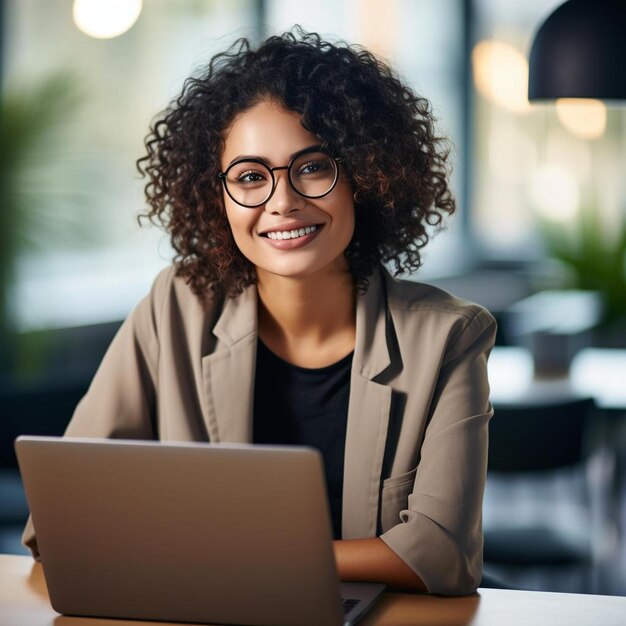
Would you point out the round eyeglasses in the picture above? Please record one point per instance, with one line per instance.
(312, 172)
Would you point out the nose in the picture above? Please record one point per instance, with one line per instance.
(285, 199)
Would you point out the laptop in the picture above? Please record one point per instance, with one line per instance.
(186, 532)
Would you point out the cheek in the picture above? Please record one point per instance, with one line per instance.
(347, 215)
(239, 220)
(241, 224)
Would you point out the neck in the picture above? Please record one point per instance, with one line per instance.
(309, 321)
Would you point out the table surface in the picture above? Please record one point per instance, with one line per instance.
(24, 602)
(594, 372)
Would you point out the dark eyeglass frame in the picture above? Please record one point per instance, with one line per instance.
(271, 170)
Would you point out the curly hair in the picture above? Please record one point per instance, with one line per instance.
(355, 104)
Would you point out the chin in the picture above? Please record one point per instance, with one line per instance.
(305, 270)
(291, 272)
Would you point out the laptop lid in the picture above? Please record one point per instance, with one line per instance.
(218, 533)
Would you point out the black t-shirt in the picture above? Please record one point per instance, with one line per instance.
(301, 406)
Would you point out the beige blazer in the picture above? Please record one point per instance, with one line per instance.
(416, 442)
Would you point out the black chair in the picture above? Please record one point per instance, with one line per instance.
(44, 408)
(489, 581)
(539, 521)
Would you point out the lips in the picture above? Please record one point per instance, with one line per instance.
(292, 231)
(291, 234)
(292, 238)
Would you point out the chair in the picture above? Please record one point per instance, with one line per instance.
(42, 409)
(541, 521)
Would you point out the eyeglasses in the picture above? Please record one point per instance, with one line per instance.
(312, 172)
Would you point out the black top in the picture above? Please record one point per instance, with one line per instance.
(301, 406)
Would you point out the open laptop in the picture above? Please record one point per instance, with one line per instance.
(191, 532)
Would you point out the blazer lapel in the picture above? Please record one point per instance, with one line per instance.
(368, 416)
(229, 371)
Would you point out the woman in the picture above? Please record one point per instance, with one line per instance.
(285, 176)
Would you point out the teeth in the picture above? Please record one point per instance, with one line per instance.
(291, 234)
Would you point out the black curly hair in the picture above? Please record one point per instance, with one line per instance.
(356, 105)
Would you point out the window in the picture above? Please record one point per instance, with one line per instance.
(538, 168)
(83, 258)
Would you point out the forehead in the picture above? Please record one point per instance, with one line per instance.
(266, 130)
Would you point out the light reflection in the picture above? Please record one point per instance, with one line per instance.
(105, 19)
(501, 75)
(555, 193)
(583, 118)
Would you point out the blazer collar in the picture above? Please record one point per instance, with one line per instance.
(368, 413)
(238, 321)
(238, 318)
(228, 372)
(371, 352)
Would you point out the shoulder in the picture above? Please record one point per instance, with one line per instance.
(171, 287)
(405, 295)
(170, 297)
(421, 307)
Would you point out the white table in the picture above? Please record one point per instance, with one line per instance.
(594, 372)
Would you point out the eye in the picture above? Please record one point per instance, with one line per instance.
(314, 166)
(247, 175)
(250, 176)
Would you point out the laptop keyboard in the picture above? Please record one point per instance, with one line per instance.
(348, 604)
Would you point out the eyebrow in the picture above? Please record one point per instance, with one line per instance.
(257, 157)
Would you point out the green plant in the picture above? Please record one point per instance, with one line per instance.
(596, 258)
(31, 124)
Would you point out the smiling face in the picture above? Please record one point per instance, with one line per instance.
(288, 235)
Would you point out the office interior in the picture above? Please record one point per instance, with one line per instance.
(539, 238)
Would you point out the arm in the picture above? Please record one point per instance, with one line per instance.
(440, 531)
(360, 560)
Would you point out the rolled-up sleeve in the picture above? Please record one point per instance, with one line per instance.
(440, 533)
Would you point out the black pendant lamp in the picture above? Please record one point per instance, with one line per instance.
(580, 52)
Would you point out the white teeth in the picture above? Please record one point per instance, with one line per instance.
(291, 234)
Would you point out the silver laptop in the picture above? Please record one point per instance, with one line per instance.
(228, 534)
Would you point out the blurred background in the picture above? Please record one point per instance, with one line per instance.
(539, 237)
